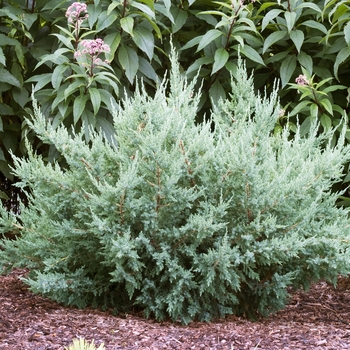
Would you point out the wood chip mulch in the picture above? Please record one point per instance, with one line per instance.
(319, 319)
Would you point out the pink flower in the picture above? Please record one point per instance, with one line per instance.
(75, 12)
(281, 112)
(94, 47)
(90, 50)
(302, 80)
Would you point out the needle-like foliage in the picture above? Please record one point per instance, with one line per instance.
(183, 220)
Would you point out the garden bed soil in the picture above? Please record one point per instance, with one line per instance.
(319, 319)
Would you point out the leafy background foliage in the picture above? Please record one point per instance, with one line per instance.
(184, 222)
(278, 40)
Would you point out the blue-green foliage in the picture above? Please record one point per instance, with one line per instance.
(183, 220)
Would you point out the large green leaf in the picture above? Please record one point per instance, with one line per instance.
(273, 38)
(21, 96)
(290, 20)
(208, 37)
(316, 25)
(310, 5)
(220, 58)
(288, 67)
(250, 53)
(113, 40)
(327, 105)
(143, 8)
(95, 97)
(306, 61)
(58, 75)
(341, 57)
(129, 60)
(5, 110)
(127, 23)
(180, 17)
(79, 106)
(271, 15)
(193, 42)
(199, 63)
(147, 70)
(144, 40)
(326, 121)
(216, 92)
(76, 85)
(297, 37)
(106, 20)
(57, 57)
(7, 77)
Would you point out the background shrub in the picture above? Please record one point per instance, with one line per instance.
(178, 219)
(280, 39)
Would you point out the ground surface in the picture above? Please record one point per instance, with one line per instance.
(319, 319)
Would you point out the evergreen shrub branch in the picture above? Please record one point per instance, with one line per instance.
(180, 219)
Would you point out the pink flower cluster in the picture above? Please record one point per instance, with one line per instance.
(92, 49)
(302, 80)
(75, 12)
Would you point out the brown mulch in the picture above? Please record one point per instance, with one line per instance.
(319, 319)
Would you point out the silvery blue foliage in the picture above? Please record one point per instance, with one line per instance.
(183, 220)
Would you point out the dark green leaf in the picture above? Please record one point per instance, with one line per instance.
(290, 20)
(95, 97)
(208, 37)
(198, 63)
(5, 110)
(301, 105)
(288, 67)
(7, 77)
(250, 53)
(216, 92)
(146, 69)
(127, 23)
(220, 58)
(113, 40)
(273, 38)
(129, 60)
(334, 88)
(305, 126)
(313, 110)
(3, 195)
(143, 8)
(327, 105)
(341, 57)
(57, 57)
(326, 121)
(5, 40)
(144, 40)
(269, 17)
(316, 25)
(309, 5)
(306, 61)
(180, 17)
(297, 37)
(193, 42)
(76, 85)
(106, 20)
(79, 106)
(58, 75)
(21, 96)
